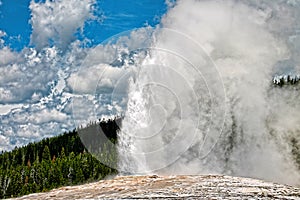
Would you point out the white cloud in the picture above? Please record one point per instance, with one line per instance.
(107, 67)
(47, 115)
(25, 72)
(6, 95)
(2, 34)
(97, 79)
(6, 108)
(7, 56)
(34, 93)
(22, 123)
(57, 21)
(170, 3)
(29, 73)
(4, 143)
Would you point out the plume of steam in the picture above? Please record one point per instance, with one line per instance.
(203, 101)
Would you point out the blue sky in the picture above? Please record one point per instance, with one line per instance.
(114, 16)
(44, 45)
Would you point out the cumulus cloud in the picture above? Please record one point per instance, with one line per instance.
(30, 73)
(96, 79)
(56, 22)
(27, 122)
(7, 56)
(35, 93)
(25, 72)
(47, 115)
(6, 108)
(32, 93)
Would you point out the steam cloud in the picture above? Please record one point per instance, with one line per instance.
(202, 100)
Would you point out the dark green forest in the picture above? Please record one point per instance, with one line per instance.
(54, 162)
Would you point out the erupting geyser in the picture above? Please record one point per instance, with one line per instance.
(202, 100)
(198, 91)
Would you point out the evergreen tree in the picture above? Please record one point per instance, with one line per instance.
(46, 154)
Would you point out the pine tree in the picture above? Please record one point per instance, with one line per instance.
(46, 154)
(62, 153)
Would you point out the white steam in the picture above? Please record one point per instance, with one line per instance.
(202, 101)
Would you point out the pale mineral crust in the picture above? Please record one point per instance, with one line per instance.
(173, 187)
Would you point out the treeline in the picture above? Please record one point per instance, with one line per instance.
(54, 162)
(281, 80)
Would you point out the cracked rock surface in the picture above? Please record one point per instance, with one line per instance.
(173, 187)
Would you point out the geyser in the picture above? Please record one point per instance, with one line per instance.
(201, 101)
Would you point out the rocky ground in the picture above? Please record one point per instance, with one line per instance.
(173, 187)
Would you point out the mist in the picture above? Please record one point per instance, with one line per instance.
(202, 100)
